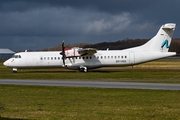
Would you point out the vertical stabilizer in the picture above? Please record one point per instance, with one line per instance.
(162, 40)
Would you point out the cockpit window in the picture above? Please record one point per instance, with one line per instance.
(13, 56)
(16, 56)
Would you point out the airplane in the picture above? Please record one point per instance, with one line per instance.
(84, 59)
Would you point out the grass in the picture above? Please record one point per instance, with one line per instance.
(40, 102)
(37, 102)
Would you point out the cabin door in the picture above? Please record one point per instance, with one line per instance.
(132, 58)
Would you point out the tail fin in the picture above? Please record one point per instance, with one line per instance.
(162, 40)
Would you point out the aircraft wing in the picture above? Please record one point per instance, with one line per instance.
(87, 51)
(76, 52)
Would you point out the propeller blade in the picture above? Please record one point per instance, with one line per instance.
(63, 53)
(63, 48)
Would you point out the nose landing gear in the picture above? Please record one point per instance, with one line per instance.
(14, 70)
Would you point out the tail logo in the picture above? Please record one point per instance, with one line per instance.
(165, 42)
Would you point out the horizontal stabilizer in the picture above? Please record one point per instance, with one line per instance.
(169, 26)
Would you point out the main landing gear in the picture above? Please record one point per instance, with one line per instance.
(83, 69)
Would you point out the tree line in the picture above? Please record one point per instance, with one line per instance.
(118, 45)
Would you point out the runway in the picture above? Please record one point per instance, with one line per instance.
(128, 85)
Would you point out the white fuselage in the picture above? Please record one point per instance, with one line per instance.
(102, 58)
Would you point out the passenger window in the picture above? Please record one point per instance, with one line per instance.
(87, 57)
(51, 58)
(125, 56)
(41, 58)
(44, 58)
(19, 56)
(115, 57)
(58, 58)
(48, 58)
(54, 58)
(90, 57)
(121, 56)
(111, 57)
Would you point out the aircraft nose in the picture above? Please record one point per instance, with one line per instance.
(6, 63)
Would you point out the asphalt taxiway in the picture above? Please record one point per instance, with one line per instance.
(128, 85)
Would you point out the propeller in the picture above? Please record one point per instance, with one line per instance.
(63, 53)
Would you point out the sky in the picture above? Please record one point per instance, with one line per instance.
(39, 24)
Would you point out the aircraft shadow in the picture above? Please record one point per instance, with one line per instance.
(90, 71)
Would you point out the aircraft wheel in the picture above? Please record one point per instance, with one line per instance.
(14, 70)
(83, 69)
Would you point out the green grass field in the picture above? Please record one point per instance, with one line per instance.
(67, 103)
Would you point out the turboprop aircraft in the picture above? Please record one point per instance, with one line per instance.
(84, 59)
